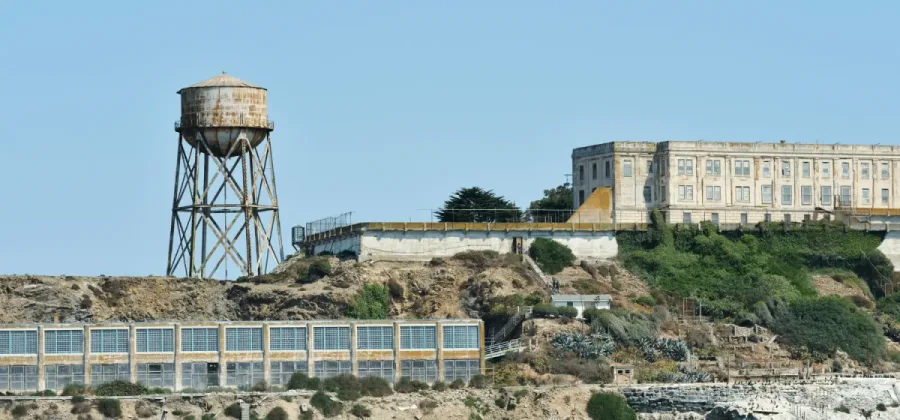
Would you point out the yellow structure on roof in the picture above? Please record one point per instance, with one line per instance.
(596, 209)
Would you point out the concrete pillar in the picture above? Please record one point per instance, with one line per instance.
(86, 360)
(132, 353)
(354, 366)
(176, 343)
(267, 368)
(481, 345)
(41, 383)
(310, 360)
(439, 345)
(397, 357)
(223, 371)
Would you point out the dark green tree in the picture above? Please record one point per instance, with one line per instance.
(476, 205)
(609, 406)
(555, 206)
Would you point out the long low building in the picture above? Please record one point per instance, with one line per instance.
(198, 355)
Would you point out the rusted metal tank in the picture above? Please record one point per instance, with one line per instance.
(222, 110)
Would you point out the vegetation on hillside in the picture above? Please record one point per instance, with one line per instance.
(372, 302)
(477, 205)
(556, 205)
(550, 255)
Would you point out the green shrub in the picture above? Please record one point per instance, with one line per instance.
(842, 408)
(319, 268)
(647, 301)
(347, 387)
(591, 314)
(109, 408)
(372, 302)
(233, 410)
(826, 324)
(544, 310)
(81, 407)
(375, 386)
(478, 260)
(19, 411)
(360, 411)
(77, 399)
(307, 415)
(396, 289)
(587, 287)
(277, 413)
(567, 311)
(327, 406)
(189, 417)
(550, 255)
(478, 381)
(890, 305)
(608, 406)
(72, 390)
(44, 393)
(406, 386)
(457, 384)
(881, 407)
(439, 386)
(119, 388)
(427, 406)
(208, 416)
(300, 380)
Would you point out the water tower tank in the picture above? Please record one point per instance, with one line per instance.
(222, 110)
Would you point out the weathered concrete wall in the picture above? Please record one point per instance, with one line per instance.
(337, 245)
(424, 245)
(890, 247)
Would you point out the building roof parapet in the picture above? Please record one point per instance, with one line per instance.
(191, 324)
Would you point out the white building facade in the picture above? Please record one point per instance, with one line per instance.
(735, 183)
(582, 302)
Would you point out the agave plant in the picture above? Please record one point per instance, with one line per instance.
(586, 346)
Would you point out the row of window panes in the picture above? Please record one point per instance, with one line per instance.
(742, 194)
(714, 217)
(742, 168)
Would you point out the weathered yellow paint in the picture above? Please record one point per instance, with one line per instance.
(97, 358)
(18, 360)
(462, 354)
(331, 355)
(211, 357)
(287, 356)
(154, 358)
(62, 359)
(374, 355)
(597, 208)
(418, 354)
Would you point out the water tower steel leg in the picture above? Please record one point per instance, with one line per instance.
(271, 157)
(245, 204)
(259, 253)
(206, 213)
(195, 176)
(170, 269)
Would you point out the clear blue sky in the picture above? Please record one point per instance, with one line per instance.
(383, 108)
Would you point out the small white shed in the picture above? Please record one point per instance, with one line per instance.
(582, 302)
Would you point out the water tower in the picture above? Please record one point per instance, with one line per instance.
(225, 208)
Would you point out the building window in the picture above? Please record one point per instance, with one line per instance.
(244, 375)
(786, 169)
(806, 195)
(767, 217)
(714, 218)
(581, 173)
(713, 167)
(155, 340)
(243, 339)
(742, 194)
(64, 342)
(374, 338)
(647, 194)
(649, 167)
(378, 368)
(109, 341)
(594, 170)
(156, 375)
(743, 218)
(826, 195)
(686, 217)
(685, 166)
(662, 193)
(885, 171)
(787, 218)
(418, 337)
(713, 193)
(787, 194)
(61, 376)
(331, 338)
(767, 194)
(199, 375)
(419, 370)
(287, 338)
(826, 169)
(199, 339)
(866, 199)
(461, 337)
(580, 197)
(331, 368)
(864, 170)
(19, 377)
(845, 169)
(626, 168)
(767, 168)
(885, 195)
(685, 192)
(461, 369)
(845, 196)
(18, 342)
(606, 169)
(101, 374)
(281, 372)
(805, 169)
(742, 168)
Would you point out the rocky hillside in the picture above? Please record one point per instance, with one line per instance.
(307, 288)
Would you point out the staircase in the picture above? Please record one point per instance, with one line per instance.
(501, 349)
(522, 312)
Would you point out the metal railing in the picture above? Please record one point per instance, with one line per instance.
(522, 312)
(501, 349)
(178, 124)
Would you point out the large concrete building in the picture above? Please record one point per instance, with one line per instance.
(736, 183)
(197, 355)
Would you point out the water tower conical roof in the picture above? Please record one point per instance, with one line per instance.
(222, 80)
